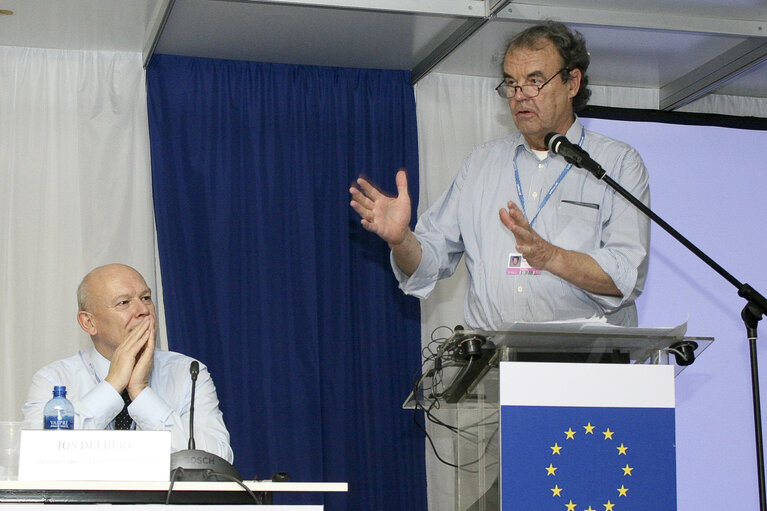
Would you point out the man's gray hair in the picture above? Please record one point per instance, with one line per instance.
(571, 46)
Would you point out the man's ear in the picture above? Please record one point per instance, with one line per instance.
(574, 82)
(85, 319)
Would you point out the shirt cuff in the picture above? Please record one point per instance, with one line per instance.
(99, 406)
(624, 277)
(149, 411)
(420, 284)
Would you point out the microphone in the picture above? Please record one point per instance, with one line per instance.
(558, 144)
(194, 370)
(196, 465)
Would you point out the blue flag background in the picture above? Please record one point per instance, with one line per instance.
(587, 458)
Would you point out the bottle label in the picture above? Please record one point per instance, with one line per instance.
(59, 423)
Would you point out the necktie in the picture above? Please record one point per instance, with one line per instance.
(123, 419)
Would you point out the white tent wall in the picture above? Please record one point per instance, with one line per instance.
(76, 193)
(728, 105)
(457, 112)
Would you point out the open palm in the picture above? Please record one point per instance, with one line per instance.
(388, 217)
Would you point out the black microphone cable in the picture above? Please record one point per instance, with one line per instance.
(178, 472)
(447, 354)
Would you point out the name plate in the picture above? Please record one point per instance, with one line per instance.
(89, 455)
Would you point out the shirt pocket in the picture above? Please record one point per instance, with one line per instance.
(578, 224)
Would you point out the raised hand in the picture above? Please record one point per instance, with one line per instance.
(388, 217)
(537, 251)
(575, 267)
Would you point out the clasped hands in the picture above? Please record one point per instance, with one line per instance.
(132, 360)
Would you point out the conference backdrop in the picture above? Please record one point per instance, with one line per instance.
(270, 280)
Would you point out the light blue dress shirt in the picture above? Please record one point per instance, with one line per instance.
(582, 214)
(163, 406)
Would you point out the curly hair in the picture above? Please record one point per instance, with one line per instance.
(571, 47)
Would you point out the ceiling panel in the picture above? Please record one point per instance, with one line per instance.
(723, 9)
(109, 25)
(302, 35)
(619, 56)
(752, 83)
(654, 44)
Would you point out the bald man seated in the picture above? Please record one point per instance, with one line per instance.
(124, 367)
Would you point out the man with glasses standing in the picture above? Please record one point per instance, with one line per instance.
(543, 240)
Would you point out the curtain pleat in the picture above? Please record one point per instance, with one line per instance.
(270, 280)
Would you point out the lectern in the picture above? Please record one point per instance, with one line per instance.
(462, 389)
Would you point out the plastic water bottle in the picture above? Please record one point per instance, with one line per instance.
(59, 412)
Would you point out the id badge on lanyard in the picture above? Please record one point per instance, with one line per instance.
(517, 265)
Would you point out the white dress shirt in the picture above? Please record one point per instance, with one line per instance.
(164, 405)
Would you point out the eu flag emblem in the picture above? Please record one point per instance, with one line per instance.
(587, 437)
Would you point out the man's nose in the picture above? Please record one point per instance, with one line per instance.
(143, 308)
(519, 95)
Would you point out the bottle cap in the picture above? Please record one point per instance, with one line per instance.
(60, 391)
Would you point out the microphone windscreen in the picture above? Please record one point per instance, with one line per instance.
(551, 140)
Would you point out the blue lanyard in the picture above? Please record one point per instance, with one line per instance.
(551, 190)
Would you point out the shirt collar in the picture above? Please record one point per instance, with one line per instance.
(573, 134)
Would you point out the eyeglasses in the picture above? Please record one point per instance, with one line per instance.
(529, 90)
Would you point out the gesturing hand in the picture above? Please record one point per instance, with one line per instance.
(536, 250)
(388, 217)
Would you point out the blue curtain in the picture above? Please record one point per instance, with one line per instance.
(268, 277)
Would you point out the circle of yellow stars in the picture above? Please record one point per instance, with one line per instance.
(556, 449)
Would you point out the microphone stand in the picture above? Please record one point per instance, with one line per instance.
(196, 465)
(194, 370)
(756, 304)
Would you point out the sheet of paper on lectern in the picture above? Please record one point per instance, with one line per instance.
(595, 325)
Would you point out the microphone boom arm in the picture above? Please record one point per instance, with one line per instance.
(556, 142)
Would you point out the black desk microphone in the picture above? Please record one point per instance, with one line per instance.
(195, 465)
